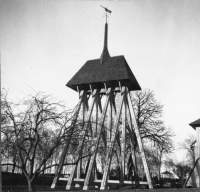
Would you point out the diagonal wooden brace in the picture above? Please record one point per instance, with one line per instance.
(62, 159)
(139, 140)
(110, 149)
(71, 178)
(133, 140)
(95, 148)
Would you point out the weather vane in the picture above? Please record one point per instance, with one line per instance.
(107, 11)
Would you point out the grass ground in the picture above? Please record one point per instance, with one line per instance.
(62, 189)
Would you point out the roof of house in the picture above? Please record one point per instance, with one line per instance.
(113, 70)
(166, 173)
(195, 124)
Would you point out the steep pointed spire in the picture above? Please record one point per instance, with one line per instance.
(105, 54)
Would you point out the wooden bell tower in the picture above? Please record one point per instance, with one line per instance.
(104, 79)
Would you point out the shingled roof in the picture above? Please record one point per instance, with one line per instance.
(113, 70)
(106, 69)
(195, 124)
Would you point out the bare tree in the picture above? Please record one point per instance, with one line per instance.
(149, 117)
(182, 169)
(189, 146)
(152, 129)
(32, 131)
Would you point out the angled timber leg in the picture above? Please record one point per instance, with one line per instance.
(74, 167)
(110, 149)
(62, 159)
(139, 140)
(133, 144)
(95, 148)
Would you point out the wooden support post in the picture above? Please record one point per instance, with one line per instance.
(99, 102)
(109, 127)
(109, 130)
(123, 148)
(110, 149)
(71, 178)
(133, 143)
(95, 148)
(198, 143)
(87, 165)
(95, 170)
(139, 140)
(84, 107)
(197, 175)
(96, 117)
(104, 136)
(98, 107)
(62, 159)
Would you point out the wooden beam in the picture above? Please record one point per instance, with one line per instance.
(98, 107)
(104, 135)
(197, 175)
(104, 130)
(88, 117)
(78, 90)
(109, 130)
(63, 156)
(97, 103)
(139, 140)
(110, 126)
(133, 143)
(198, 145)
(95, 169)
(111, 113)
(95, 148)
(110, 149)
(105, 87)
(86, 101)
(123, 144)
(120, 86)
(98, 181)
(84, 108)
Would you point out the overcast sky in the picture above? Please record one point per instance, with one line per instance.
(44, 43)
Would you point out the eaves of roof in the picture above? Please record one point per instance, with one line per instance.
(195, 124)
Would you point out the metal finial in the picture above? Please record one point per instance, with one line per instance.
(107, 11)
